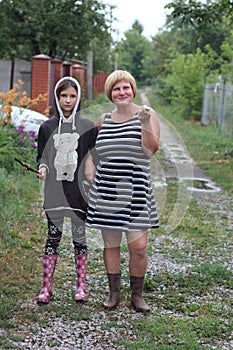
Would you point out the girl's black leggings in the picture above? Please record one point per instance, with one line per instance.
(55, 230)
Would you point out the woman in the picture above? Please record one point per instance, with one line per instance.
(63, 143)
(121, 198)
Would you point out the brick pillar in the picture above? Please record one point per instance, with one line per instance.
(79, 73)
(67, 69)
(57, 70)
(41, 66)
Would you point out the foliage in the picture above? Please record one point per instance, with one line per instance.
(226, 57)
(199, 24)
(16, 97)
(173, 63)
(17, 190)
(101, 57)
(186, 82)
(161, 54)
(198, 13)
(132, 51)
(63, 29)
(15, 142)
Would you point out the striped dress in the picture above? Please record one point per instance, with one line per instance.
(121, 196)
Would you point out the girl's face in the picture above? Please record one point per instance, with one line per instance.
(122, 92)
(67, 99)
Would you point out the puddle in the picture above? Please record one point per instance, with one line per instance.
(192, 184)
(176, 154)
(159, 183)
(200, 185)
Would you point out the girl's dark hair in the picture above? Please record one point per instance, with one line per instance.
(64, 85)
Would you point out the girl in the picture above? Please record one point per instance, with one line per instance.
(63, 143)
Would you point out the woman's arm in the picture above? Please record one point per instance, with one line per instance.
(90, 167)
(150, 130)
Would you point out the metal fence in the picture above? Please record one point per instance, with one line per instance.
(218, 106)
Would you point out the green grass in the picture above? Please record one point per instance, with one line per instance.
(176, 333)
(190, 295)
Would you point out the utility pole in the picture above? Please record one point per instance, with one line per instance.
(116, 53)
(89, 74)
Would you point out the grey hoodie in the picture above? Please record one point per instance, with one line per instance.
(63, 144)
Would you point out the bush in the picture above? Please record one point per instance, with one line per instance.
(15, 145)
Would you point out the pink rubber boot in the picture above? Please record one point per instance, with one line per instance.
(81, 268)
(49, 264)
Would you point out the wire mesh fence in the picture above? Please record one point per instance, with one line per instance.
(218, 106)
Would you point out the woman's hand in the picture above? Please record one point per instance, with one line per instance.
(90, 168)
(150, 130)
(144, 114)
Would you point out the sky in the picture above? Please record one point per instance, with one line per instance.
(150, 13)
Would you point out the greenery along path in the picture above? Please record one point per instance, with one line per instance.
(188, 284)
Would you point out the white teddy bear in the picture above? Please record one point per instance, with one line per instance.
(66, 159)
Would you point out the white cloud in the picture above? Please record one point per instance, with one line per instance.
(150, 13)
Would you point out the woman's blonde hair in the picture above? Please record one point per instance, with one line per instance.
(115, 77)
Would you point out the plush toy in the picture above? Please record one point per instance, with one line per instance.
(66, 159)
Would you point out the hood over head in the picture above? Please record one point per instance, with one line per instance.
(77, 106)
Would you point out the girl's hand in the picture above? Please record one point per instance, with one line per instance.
(42, 172)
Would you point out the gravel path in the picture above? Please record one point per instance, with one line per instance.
(104, 330)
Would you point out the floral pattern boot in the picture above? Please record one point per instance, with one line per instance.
(81, 268)
(49, 264)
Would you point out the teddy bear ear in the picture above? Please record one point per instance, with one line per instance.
(77, 136)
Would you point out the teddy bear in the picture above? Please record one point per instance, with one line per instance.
(66, 158)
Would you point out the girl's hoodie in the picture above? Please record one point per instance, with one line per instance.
(63, 144)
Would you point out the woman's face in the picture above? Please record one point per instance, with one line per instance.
(67, 99)
(122, 92)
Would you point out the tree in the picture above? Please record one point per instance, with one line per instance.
(198, 23)
(184, 83)
(132, 52)
(61, 28)
(196, 12)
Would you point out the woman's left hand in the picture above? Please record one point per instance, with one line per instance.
(144, 114)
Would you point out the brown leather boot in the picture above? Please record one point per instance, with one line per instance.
(114, 287)
(137, 301)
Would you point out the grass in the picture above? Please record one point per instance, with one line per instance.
(211, 149)
(188, 284)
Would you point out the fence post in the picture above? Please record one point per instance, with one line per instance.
(89, 74)
(41, 65)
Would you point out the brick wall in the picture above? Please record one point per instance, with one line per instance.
(46, 72)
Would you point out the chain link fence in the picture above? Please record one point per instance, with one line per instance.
(218, 106)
